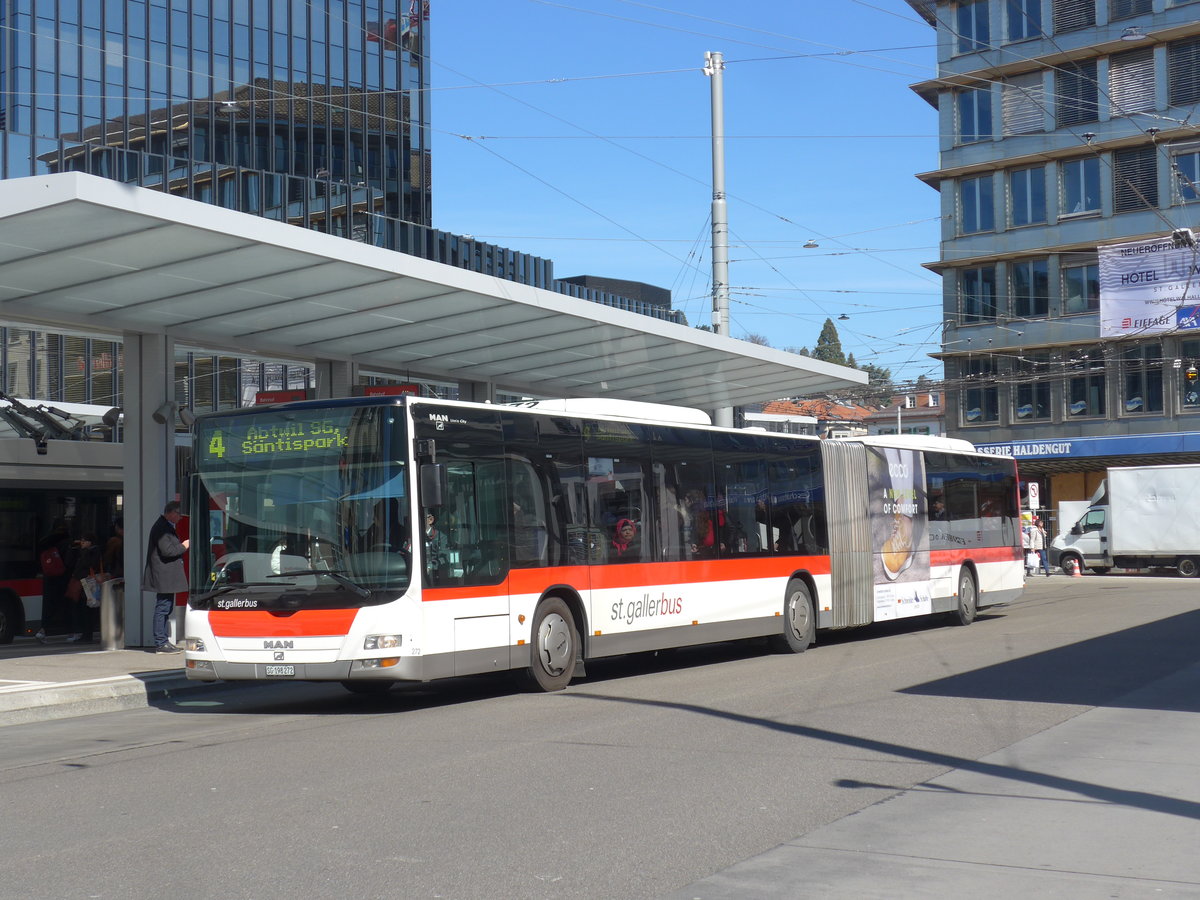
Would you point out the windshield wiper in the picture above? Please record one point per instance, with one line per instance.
(337, 576)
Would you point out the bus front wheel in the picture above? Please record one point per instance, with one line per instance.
(554, 646)
(968, 604)
(11, 620)
(799, 622)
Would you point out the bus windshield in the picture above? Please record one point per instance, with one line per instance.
(285, 496)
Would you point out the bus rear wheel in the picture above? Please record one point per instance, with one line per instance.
(1189, 567)
(554, 646)
(968, 602)
(799, 621)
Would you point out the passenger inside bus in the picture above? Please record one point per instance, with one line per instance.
(626, 545)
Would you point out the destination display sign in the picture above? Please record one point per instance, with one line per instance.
(311, 436)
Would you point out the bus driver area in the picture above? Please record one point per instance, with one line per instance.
(371, 540)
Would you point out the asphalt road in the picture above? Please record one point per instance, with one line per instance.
(650, 774)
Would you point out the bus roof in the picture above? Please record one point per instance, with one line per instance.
(608, 408)
(915, 442)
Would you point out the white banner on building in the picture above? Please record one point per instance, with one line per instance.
(1149, 287)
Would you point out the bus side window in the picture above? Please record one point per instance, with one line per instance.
(529, 534)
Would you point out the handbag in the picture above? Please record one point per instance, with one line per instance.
(91, 590)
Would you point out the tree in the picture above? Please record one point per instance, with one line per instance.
(880, 380)
(759, 339)
(829, 345)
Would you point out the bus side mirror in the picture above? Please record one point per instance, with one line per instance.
(434, 484)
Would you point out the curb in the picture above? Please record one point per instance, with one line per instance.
(44, 702)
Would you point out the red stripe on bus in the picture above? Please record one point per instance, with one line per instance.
(24, 587)
(976, 554)
(259, 622)
(533, 581)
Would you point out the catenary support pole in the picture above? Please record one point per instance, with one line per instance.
(714, 68)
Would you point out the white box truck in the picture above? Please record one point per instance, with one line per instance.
(1141, 517)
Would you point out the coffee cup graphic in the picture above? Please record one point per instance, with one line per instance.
(897, 551)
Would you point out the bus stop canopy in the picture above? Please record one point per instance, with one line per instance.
(96, 256)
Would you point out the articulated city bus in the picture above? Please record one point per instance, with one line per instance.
(375, 540)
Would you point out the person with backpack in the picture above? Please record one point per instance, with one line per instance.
(53, 551)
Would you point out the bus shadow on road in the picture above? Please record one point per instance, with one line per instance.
(1118, 670)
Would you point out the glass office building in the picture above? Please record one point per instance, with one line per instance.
(311, 113)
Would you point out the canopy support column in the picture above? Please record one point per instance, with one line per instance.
(150, 414)
(335, 378)
(477, 391)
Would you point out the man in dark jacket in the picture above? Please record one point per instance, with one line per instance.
(164, 572)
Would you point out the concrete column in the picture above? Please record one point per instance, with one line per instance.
(335, 378)
(477, 391)
(149, 385)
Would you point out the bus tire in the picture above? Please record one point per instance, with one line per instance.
(368, 687)
(799, 621)
(554, 645)
(11, 618)
(1189, 567)
(968, 599)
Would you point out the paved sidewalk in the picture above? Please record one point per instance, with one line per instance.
(1106, 804)
(58, 680)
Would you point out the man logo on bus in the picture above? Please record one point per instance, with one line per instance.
(279, 645)
(440, 420)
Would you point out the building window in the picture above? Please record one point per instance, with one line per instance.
(1076, 92)
(1029, 286)
(981, 396)
(973, 30)
(1023, 104)
(1024, 19)
(1183, 72)
(1185, 169)
(1124, 9)
(1131, 81)
(1189, 389)
(1027, 196)
(1142, 380)
(976, 205)
(1085, 383)
(1031, 393)
(1135, 179)
(974, 115)
(977, 294)
(1079, 185)
(1081, 288)
(1072, 14)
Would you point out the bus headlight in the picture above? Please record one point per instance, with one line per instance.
(381, 641)
(194, 645)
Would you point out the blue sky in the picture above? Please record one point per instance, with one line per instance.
(578, 130)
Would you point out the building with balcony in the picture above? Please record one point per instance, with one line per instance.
(1065, 125)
